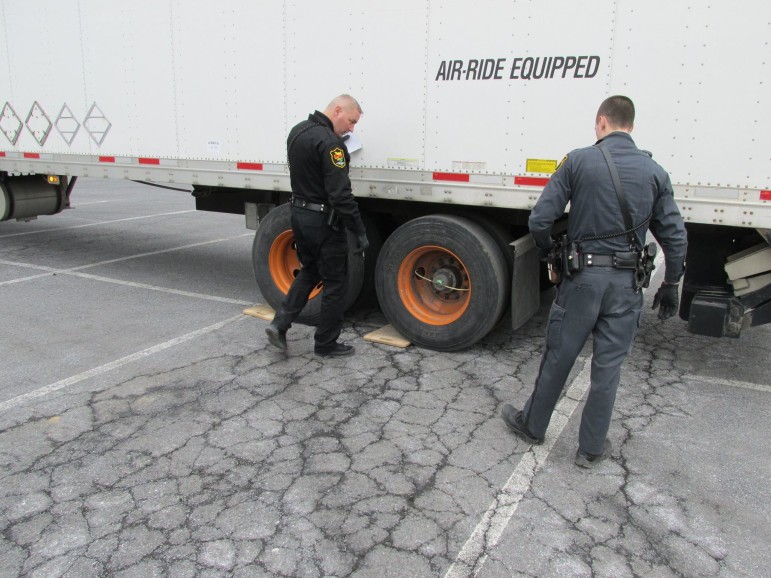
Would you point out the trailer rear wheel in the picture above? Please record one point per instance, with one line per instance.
(442, 281)
(275, 262)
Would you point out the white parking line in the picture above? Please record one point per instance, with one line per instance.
(98, 223)
(162, 289)
(45, 390)
(485, 536)
(51, 271)
(75, 272)
(100, 202)
(728, 383)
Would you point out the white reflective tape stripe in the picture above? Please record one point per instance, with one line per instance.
(486, 179)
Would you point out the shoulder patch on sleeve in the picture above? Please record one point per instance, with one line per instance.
(338, 157)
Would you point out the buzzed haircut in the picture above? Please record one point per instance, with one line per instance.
(345, 100)
(619, 110)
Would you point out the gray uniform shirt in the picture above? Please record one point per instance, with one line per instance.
(583, 180)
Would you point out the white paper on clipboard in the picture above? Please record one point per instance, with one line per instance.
(352, 142)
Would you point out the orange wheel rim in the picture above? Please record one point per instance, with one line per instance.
(284, 264)
(434, 285)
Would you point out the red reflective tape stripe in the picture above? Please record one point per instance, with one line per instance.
(146, 161)
(765, 195)
(106, 159)
(31, 155)
(457, 177)
(2, 154)
(531, 181)
(249, 166)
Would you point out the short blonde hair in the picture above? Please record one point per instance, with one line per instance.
(346, 101)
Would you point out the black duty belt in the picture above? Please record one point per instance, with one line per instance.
(303, 204)
(618, 260)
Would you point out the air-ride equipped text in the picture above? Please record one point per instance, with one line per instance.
(520, 68)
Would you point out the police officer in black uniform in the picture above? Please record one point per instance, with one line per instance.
(602, 298)
(323, 206)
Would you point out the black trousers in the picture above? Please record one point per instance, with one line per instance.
(323, 253)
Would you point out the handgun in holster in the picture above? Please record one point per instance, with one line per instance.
(645, 266)
(554, 262)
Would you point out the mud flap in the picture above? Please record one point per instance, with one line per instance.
(525, 281)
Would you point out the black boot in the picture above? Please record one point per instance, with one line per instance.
(276, 337)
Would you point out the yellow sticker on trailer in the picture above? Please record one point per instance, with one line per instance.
(541, 166)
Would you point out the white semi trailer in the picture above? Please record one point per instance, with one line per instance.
(467, 110)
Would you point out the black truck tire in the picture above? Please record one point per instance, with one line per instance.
(275, 262)
(442, 281)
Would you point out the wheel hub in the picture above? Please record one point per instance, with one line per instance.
(445, 279)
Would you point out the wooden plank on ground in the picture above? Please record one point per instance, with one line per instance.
(261, 311)
(387, 336)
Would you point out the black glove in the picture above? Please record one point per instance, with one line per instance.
(666, 300)
(362, 244)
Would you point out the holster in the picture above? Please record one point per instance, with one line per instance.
(554, 261)
(554, 264)
(645, 266)
(563, 260)
(570, 257)
(333, 220)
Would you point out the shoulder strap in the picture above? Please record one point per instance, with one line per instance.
(619, 191)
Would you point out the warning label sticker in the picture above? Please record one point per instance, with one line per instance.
(540, 166)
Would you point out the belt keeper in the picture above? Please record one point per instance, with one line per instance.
(589, 259)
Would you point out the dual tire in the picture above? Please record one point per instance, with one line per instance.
(442, 281)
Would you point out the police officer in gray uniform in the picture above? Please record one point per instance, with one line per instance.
(601, 296)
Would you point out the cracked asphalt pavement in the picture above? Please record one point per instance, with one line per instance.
(147, 428)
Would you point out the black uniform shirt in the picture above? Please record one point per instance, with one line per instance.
(318, 169)
(584, 180)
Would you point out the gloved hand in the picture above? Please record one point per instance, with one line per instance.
(666, 300)
(362, 245)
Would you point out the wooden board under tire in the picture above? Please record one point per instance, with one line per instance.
(387, 336)
(261, 311)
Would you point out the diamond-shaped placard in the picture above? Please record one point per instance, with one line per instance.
(38, 123)
(96, 124)
(10, 123)
(67, 124)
